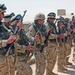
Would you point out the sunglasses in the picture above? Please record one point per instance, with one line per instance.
(52, 18)
(2, 12)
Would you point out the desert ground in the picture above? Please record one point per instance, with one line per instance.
(70, 71)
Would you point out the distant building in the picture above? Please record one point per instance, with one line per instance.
(61, 12)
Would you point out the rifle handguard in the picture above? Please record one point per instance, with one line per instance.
(16, 30)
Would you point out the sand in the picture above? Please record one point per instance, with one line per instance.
(70, 71)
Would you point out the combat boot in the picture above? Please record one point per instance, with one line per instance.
(67, 63)
(62, 70)
(53, 73)
(73, 57)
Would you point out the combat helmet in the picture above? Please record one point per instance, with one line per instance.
(39, 16)
(2, 7)
(8, 17)
(51, 15)
(15, 18)
(66, 19)
(60, 19)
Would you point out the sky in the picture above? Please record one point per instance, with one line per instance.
(38, 6)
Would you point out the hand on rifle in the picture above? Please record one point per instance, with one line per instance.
(11, 39)
(29, 48)
(37, 37)
(61, 36)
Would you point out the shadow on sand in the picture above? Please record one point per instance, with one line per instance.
(70, 72)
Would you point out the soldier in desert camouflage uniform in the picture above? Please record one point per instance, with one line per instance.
(73, 36)
(67, 41)
(3, 62)
(51, 51)
(61, 46)
(37, 34)
(22, 44)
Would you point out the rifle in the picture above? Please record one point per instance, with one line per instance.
(15, 32)
(49, 32)
(46, 41)
(38, 33)
(42, 43)
(21, 19)
(27, 54)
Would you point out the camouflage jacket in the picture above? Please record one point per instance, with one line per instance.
(4, 34)
(33, 29)
(51, 29)
(23, 39)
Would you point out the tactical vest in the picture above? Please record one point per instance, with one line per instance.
(41, 29)
(4, 34)
(52, 25)
(23, 39)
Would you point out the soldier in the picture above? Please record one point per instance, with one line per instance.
(73, 36)
(2, 11)
(51, 50)
(22, 44)
(3, 63)
(7, 32)
(71, 29)
(7, 22)
(37, 34)
(61, 45)
(67, 41)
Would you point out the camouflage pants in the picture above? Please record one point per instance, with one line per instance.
(61, 56)
(67, 51)
(74, 49)
(40, 62)
(3, 66)
(23, 68)
(51, 56)
(11, 65)
(6, 66)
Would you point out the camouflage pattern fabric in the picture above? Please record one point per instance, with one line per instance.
(40, 62)
(6, 65)
(11, 66)
(51, 57)
(3, 65)
(22, 67)
(67, 52)
(61, 56)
